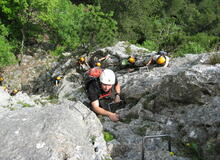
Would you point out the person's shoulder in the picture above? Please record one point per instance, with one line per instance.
(94, 83)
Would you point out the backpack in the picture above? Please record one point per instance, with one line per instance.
(162, 53)
(90, 75)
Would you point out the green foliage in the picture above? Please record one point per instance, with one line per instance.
(194, 16)
(68, 26)
(23, 19)
(151, 45)
(169, 35)
(24, 104)
(3, 30)
(58, 50)
(128, 50)
(65, 21)
(133, 17)
(180, 26)
(80, 26)
(170, 24)
(190, 47)
(193, 150)
(6, 56)
(24, 16)
(98, 28)
(108, 136)
(53, 99)
(204, 40)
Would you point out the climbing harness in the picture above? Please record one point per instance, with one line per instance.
(106, 94)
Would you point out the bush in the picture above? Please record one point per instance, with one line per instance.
(190, 47)
(167, 34)
(58, 50)
(151, 45)
(98, 28)
(204, 40)
(6, 56)
(65, 22)
(80, 26)
(3, 30)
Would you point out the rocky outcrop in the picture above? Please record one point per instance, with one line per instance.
(182, 101)
(32, 66)
(67, 130)
(69, 68)
(18, 101)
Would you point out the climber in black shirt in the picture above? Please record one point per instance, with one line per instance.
(102, 91)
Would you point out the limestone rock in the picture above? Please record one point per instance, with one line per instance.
(66, 131)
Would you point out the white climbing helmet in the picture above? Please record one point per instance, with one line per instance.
(107, 77)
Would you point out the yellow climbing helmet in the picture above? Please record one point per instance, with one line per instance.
(161, 60)
(98, 64)
(4, 88)
(58, 78)
(131, 60)
(1, 79)
(15, 91)
(82, 59)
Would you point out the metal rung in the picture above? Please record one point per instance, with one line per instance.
(155, 136)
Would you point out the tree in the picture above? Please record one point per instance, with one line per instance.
(6, 55)
(24, 18)
(98, 29)
(80, 26)
(134, 17)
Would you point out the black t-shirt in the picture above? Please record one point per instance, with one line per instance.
(95, 91)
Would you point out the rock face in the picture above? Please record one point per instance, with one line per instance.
(20, 100)
(182, 101)
(63, 131)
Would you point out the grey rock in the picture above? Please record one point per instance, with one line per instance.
(53, 132)
(181, 100)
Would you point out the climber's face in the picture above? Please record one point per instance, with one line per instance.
(106, 87)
